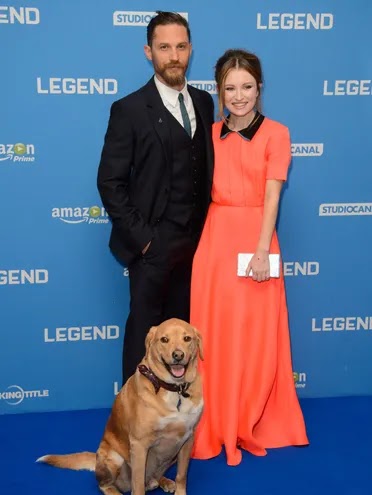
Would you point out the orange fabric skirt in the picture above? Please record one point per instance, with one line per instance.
(250, 400)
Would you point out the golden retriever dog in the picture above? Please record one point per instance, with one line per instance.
(153, 418)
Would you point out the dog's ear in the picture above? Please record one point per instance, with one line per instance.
(149, 338)
(199, 341)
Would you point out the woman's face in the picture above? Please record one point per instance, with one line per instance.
(240, 92)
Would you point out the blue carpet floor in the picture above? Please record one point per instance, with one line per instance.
(338, 461)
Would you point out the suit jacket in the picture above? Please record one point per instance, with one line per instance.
(135, 169)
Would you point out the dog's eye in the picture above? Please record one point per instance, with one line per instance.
(187, 338)
(164, 340)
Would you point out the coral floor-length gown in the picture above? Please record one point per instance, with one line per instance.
(249, 393)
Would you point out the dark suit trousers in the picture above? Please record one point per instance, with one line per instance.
(159, 283)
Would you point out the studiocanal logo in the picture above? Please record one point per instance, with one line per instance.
(17, 153)
(209, 86)
(15, 394)
(299, 379)
(130, 18)
(19, 15)
(90, 215)
(307, 149)
(344, 209)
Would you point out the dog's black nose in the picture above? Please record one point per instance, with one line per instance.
(178, 355)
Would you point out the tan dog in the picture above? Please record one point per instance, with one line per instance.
(153, 418)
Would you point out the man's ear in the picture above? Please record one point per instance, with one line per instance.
(148, 53)
(149, 338)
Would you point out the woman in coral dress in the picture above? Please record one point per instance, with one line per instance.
(249, 393)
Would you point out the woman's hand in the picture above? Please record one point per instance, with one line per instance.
(260, 266)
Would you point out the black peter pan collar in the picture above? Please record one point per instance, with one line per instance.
(247, 133)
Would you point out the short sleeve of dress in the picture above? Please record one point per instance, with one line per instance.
(278, 154)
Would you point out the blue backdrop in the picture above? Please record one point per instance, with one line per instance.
(63, 297)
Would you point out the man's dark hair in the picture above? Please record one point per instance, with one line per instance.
(163, 19)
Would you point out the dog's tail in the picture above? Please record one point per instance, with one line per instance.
(79, 461)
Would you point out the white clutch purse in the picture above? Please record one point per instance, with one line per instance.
(245, 258)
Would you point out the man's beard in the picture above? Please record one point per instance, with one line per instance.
(171, 77)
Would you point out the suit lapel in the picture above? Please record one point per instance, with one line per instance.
(157, 113)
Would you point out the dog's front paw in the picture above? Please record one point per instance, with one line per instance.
(167, 485)
(152, 485)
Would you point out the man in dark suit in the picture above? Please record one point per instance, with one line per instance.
(155, 179)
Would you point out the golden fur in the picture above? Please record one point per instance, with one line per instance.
(146, 431)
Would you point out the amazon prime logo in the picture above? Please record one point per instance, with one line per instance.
(18, 152)
(81, 214)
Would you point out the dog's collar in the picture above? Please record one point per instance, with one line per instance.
(158, 383)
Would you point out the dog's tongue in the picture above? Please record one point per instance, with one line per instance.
(178, 370)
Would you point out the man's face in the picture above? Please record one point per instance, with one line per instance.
(170, 53)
